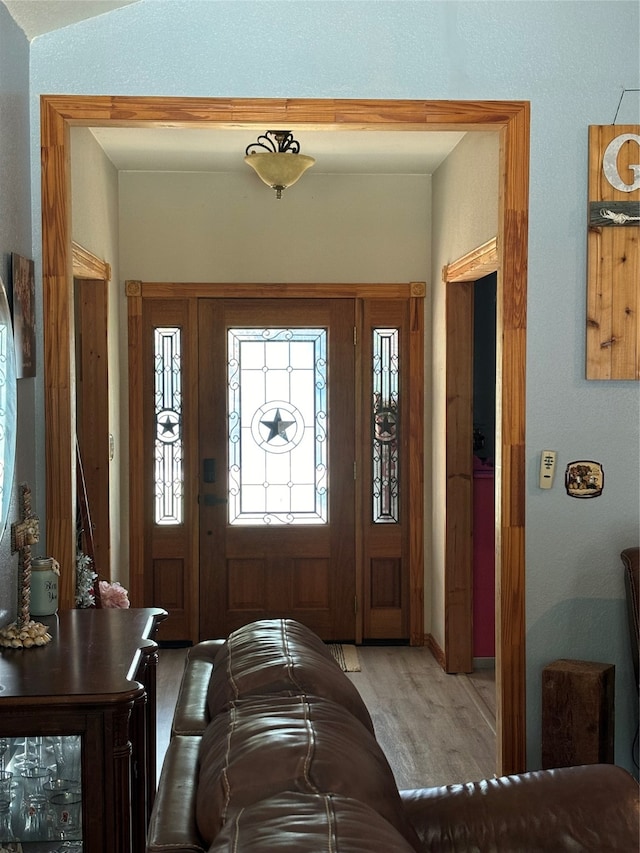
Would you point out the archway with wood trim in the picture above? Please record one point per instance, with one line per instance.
(459, 278)
(509, 118)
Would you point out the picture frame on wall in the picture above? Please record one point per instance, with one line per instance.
(8, 408)
(24, 315)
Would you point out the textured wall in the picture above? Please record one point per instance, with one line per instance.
(15, 236)
(570, 60)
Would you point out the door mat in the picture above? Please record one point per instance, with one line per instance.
(346, 657)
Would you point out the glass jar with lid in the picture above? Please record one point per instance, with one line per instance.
(44, 586)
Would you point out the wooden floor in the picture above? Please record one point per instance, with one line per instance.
(435, 729)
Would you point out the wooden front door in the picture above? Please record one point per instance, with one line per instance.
(276, 457)
(277, 445)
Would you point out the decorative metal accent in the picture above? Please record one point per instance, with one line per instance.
(384, 445)
(168, 449)
(268, 157)
(277, 386)
(275, 142)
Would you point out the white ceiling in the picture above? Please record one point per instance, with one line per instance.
(36, 17)
(167, 149)
(336, 152)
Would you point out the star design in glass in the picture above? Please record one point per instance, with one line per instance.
(168, 426)
(385, 425)
(277, 427)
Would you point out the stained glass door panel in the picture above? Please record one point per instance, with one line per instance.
(276, 434)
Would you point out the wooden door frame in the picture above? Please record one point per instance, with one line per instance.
(510, 118)
(90, 270)
(459, 278)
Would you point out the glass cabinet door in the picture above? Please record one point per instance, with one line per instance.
(41, 793)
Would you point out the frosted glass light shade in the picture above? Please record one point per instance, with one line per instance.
(279, 170)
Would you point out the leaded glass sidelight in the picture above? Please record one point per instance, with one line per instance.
(384, 444)
(168, 446)
(277, 387)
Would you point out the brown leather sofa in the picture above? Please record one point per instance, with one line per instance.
(273, 751)
(631, 561)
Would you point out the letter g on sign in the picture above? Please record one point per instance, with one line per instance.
(610, 163)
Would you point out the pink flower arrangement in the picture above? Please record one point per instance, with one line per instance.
(113, 595)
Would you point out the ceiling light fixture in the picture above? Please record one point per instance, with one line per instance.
(276, 158)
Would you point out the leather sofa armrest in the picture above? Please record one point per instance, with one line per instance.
(191, 715)
(172, 828)
(631, 562)
(589, 808)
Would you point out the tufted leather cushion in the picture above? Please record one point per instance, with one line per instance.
(273, 656)
(590, 809)
(191, 715)
(309, 823)
(265, 746)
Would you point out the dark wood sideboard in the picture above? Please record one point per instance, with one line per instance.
(96, 679)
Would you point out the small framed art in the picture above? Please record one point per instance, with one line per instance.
(24, 315)
(584, 479)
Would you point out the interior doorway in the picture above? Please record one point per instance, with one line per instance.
(484, 454)
(91, 278)
(509, 118)
(460, 278)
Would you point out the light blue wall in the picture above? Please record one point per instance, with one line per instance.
(15, 236)
(571, 60)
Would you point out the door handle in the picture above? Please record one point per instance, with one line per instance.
(213, 500)
(209, 470)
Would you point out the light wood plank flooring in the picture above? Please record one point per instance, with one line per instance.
(435, 729)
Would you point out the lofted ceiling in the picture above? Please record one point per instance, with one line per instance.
(222, 150)
(36, 17)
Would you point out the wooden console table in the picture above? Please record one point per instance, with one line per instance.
(96, 679)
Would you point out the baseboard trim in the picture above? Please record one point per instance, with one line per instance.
(434, 648)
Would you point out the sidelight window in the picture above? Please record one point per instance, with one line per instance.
(385, 431)
(168, 445)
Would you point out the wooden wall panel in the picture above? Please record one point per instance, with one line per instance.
(92, 379)
(246, 584)
(168, 583)
(386, 583)
(458, 579)
(613, 256)
(311, 584)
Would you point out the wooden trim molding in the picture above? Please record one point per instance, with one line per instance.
(307, 290)
(458, 546)
(474, 265)
(87, 265)
(509, 118)
(435, 648)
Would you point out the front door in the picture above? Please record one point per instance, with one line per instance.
(276, 442)
(276, 457)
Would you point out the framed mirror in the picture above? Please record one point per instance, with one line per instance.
(8, 408)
